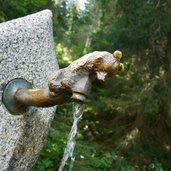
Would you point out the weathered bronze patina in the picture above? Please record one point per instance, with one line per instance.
(72, 83)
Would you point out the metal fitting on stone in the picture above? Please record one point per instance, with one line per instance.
(72, 83)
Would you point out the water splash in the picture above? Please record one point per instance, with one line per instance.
(78, 110)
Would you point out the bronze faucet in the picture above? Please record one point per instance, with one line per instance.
(72, 83)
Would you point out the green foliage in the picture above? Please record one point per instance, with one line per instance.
(89, 155)
(64, 55)
(18, 8)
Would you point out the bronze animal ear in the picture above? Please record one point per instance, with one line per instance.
(117, 54)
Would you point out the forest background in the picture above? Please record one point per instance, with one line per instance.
(127, 122)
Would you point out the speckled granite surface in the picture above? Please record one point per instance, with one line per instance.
(26, 51)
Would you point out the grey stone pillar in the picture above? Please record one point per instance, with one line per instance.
(26, 51)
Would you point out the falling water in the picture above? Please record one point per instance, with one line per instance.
(78, 110)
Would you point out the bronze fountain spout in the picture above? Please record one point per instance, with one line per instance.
(72, 83)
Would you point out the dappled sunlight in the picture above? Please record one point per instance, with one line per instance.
(64, 54)
(131, 137)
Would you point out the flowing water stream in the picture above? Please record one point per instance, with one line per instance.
(78, 110)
